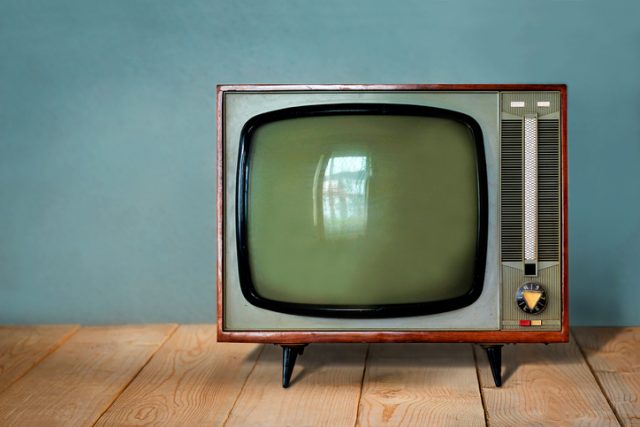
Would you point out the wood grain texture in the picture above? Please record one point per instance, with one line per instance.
(373, 87)
(324, 390)
(421, 384)
(564, 179)
(191, 380)
(22, 347)
(304, 337)
(78, 382)
(614, 357)
(543, 385)
(219, 208)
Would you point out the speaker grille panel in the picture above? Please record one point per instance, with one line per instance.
(549, 190)
(511, 190)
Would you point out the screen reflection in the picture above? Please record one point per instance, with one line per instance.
(344, 183)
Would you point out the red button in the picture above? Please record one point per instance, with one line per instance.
(525, 323)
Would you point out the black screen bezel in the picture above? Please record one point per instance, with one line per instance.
(357, 311)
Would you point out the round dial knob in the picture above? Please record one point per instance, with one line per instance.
(531, 298)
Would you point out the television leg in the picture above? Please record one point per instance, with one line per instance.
(289, 355)
(494, 353)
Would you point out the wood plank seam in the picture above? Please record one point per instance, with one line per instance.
(545, 385)
(617, 415)
(602, 390)
(52, 349)
(255, 362)
(324, 391)
(119, 393)
(484, 405)
(364, 373)
(421, 384)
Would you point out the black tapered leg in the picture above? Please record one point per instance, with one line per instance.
(494, 353)
(289, 355)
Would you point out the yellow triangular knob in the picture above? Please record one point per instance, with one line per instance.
(532, 298)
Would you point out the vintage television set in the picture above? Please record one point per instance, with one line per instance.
(392, 213)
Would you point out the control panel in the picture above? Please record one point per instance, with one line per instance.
(530, 210)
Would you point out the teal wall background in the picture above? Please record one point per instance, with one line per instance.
(107, 132)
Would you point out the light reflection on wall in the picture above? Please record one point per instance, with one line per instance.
(344, 189)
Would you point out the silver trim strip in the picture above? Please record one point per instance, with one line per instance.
(530, 188)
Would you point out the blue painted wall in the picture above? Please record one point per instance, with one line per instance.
(107, 132)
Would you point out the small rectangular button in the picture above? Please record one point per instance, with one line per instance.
(530, 269)
(543, 104)
(517, 104)
(525, 323)
(536, 322)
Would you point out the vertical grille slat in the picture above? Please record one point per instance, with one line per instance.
(549, 190)
(511, 190)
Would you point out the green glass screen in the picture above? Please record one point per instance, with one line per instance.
(362, 209)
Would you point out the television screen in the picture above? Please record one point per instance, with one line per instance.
(374, 207)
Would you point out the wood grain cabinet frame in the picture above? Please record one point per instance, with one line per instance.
(294, 337)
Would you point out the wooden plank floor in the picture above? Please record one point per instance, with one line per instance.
(65, 375)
